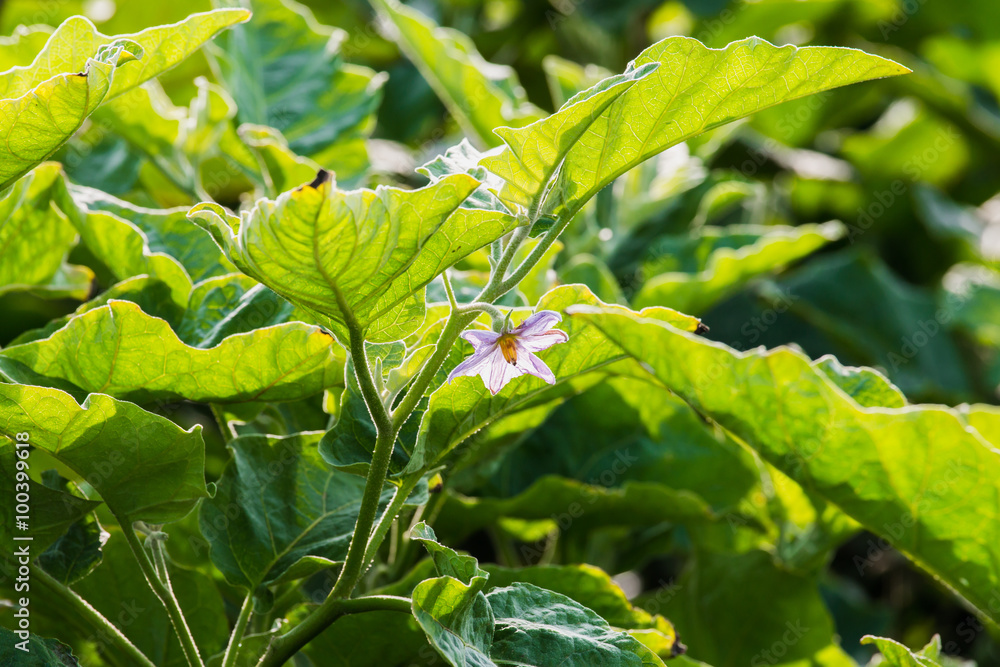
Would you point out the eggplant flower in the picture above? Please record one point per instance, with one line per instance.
(501, 357)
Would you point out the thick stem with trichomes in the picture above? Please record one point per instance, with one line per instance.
(233, 648)
(165, 595)
(385, 439)
(105, 628)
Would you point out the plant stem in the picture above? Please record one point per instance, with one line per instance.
(449, 289)
(385, 439)
(165, 594)
(285, 646)
(233, 648)
(388, 517)
(83, 610)
(533, 257)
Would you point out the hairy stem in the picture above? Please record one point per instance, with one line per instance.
(105, 628)
(388, 517)
(233, 648)
(162, 592)
(285, 646)
(384, 441)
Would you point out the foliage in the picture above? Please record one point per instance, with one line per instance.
(242, 253)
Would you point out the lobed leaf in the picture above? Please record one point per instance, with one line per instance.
(295, 515)
(916, 475)
(135, 356)
(144, 466)
(360, 257)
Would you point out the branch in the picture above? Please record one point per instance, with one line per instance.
(288, 644)
(164, 594)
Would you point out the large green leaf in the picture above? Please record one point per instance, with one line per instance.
(294, 514)
(482, 96)
(709, 607)
(135, 356)
(694, 271)
(361, 256)
(167, 231)
(37, 119)
(916, 475)
(520, 624)
(463, 407)
(74, 43)
(594, 589)
(35, 237)
(286, 71)
(144, 466)
(692, 90)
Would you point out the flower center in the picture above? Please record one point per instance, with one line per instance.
(508, 347)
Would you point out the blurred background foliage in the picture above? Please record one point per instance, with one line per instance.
(735, 227)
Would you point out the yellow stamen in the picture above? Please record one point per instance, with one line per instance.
(508, 347)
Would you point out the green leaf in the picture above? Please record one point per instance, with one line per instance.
(482, 96)
(694, 271)
(567, 78)
(295, 514)
(230, 305)
(593, 588)
(150, 294)
(116, 589)
(867, 386)
(35, 238)
(895, 654)
(134, 356)
(535, 152)
(534, 626)
(72, 45)
(36, 120)
(281, 168)
(447, 562)
(76, 553)
(54, 508)
(692, 90)
(875, 318)
(167, 231)
(34, 651)
(360, 256)
(286, 71)
(121, 246)
(463, 407)
(457, 620)
(143, 466)
(915, 475)
(22, 45)
(709, 607)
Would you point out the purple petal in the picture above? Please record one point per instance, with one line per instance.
(480, 337)
(475, 364)
(499, 373)
(538, 323)
(532, 365)
(539, 342)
